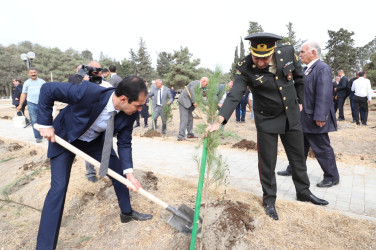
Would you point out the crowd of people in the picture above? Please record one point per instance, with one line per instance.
(296, 104)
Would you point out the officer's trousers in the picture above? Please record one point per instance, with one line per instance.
(293, 142)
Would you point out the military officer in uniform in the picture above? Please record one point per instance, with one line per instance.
(275, 77)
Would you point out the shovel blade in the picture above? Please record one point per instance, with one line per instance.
(183, 223)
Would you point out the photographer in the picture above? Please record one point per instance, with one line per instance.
(91, 72)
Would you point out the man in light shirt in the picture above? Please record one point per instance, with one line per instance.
(30, 92)
(362, 96)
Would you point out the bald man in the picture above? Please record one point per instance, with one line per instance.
(187, 103)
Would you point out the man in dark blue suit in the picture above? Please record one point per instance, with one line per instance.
(318, 115)
(341, 93)
(83, 123)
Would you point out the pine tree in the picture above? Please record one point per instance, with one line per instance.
(183, 70)
(254, 27)
(291, 38)
(164, 63)
(341, 52)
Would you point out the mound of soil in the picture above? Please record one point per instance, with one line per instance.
(226, 224)
(152, 133)
(14, 147)
(249, 145)
(150, 181)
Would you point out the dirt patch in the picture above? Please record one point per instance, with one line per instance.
(150, 181)
(310, 153)
(6, 117)
(33, 152)
(152, 133)
(248, 145)
(14, 147)
(227, 223)
(33, 166)
(103, 191)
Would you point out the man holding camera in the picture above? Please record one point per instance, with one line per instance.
(91, 72)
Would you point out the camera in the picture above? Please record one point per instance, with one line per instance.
(90, 72)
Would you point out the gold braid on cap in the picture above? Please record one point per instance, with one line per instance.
(262, 55)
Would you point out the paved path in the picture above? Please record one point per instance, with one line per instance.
(355, 195)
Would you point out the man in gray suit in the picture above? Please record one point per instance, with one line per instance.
(115, 78)
(187, 103)
(162, 96)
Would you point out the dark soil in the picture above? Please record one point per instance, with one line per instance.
(249, 145)
(102, 194)
(33, 166)
(6, 117)
(150, 181)
(152, 133)
(14, 147)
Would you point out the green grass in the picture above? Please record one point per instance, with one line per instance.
(5, 160)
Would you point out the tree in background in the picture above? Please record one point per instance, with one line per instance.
(163, 64)
(183, 69)
(370, 69)
(254, 27)
(291, 38)
(87, 55)
(364, 54)
(233, 65)
(341, 51)
(140, 63)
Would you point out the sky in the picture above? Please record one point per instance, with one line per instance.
(210, 29)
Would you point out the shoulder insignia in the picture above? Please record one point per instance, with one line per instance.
(241, 63)
(238, 72)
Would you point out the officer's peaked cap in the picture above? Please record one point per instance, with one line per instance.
(263, 44)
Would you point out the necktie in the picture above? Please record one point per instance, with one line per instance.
(107, 146)
(160, 97)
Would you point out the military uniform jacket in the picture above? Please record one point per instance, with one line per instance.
(276, 97)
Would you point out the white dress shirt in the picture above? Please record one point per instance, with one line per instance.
(362, 88)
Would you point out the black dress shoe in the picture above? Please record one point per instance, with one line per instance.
(284, 173)
(311, 198)
(270, 210)
(327, 184)
(135, 216)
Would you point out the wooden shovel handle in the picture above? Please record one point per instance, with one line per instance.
(110, 172)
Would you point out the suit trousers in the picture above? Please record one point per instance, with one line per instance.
(60, 173)
(324, 153)
(186, 121)
(361, 110)
(241, 108)
(361, 102)
(158, 111)
(341, 103)
(267, 144)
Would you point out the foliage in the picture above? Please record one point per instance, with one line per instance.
(217, 168)
(140, 63)
(254, 27)
(163, 63)
(370, 69)
(291, 38)
(233, 65)
(183, 69)
(341, 51)
(167, 113)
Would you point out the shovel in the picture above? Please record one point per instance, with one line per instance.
(181, 219)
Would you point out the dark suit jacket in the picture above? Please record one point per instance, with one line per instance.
(16, 94)
(342, 87)
(86, 101)
(166, 96)
(318, 100)
(275, 96)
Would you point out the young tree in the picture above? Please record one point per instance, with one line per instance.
(341, 51)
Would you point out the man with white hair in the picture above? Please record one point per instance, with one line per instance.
(318, 116)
